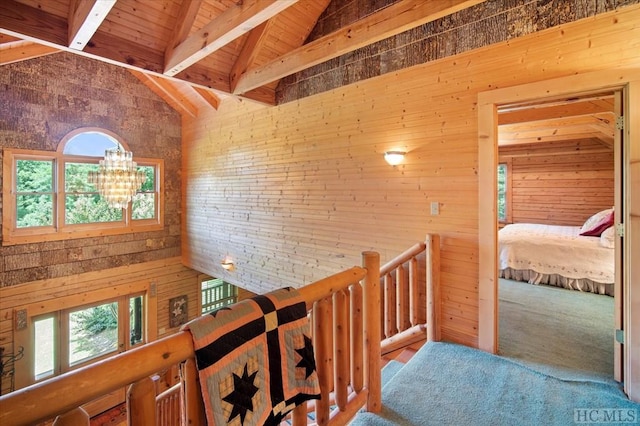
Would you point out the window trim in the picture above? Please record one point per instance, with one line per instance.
(204, 277)
(25, 370)
(507, 193)
(12, 235)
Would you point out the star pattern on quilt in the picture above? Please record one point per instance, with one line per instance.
(241, 396)
(307, 360)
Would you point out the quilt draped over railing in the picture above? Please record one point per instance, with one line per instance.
(255, 359)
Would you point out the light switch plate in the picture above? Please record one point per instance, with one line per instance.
(435, 208)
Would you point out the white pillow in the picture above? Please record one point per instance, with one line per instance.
(596, 224)
(608, 238)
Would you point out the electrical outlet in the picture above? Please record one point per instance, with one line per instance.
(435, 208)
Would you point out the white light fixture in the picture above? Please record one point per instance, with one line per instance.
(394, 157)
(117, 178)
(227, 263)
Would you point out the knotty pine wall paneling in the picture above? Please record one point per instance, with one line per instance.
(295, 192)
(560, 183)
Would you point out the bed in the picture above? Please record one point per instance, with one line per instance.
(556, 255)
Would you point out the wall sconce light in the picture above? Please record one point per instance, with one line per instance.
(394, 157)
(227, 263)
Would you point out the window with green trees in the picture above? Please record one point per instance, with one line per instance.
(67, 339)
(51, 197)
(502, 192)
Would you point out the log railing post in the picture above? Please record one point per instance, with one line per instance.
(372, 332)
(433, 287)
(193, 403)
(414, 300)
(357, 353)
(390, 327)
(323, 339)
(341, 348)
(402, 308)
(141, 402)
(75, 417)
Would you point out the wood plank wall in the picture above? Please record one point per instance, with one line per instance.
(559, 183)
(297, 191)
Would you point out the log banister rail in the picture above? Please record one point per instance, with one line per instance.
(410, 306)
(65, 393)
(44, 400)
(353, 372)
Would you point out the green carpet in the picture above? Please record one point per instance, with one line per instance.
(449, 384)
(562, 332)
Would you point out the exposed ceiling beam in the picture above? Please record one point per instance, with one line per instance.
(587, 146)
(249, 52)
(20, 50)
(208, 96)
(85, 16)
(532, 139)
(554, 111)
(231, 24)
(168, 92)
(393, 20)
(186, 17)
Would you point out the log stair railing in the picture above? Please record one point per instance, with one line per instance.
(356, 316)
(410, 296)
(345, 321)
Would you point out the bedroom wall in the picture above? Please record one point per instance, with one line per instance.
(559, 183)
(295, 192)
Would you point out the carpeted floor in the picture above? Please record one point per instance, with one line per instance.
(555, 368)
(562, 332)
(449, 384)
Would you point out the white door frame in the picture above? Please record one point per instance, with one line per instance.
(488, 103)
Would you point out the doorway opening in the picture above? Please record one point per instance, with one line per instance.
(556, 178)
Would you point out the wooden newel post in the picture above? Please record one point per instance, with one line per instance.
(433, 287)
(141, 402)
(75, 417)
(372, 329)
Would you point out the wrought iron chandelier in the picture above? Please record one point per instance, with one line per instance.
(117, 178)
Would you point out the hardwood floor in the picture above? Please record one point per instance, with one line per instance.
(402, 355)
(117, 416)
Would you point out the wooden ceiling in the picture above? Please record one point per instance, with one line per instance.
(589, 117)
(201, 49)
(194, 53)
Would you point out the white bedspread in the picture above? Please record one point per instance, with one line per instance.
(550, 249)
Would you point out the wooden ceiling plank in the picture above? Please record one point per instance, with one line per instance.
(5, 38)
(208, 96)
(85, 17)
(555, 111)
(230, 25)
(167, 91)
(22, 21)
(186, 17)
(250, 51)
(22, 50)
(388, 22)
(507, 140)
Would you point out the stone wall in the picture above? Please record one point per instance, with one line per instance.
(44, 99)
(487, 23)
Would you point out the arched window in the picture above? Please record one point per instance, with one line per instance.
(50, 196)
(89, 142)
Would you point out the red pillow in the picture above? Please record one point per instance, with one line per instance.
(597, 224)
